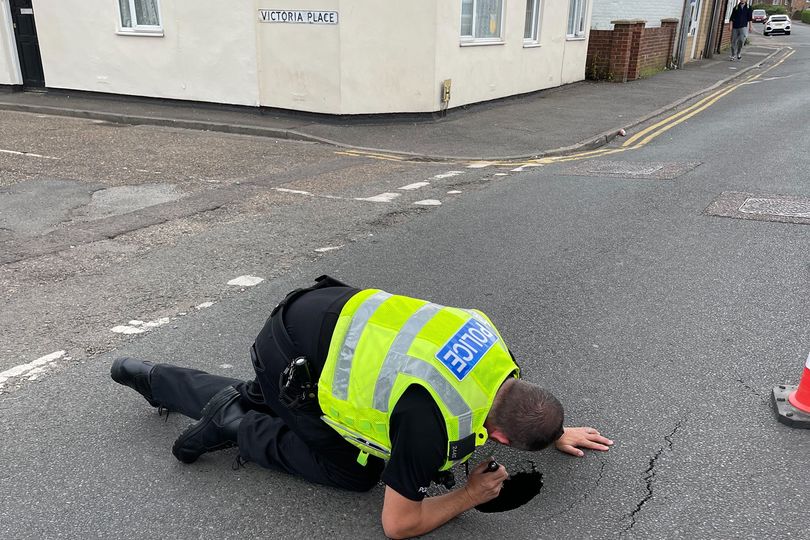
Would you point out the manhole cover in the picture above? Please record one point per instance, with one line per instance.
(781, 208)
(656, 170)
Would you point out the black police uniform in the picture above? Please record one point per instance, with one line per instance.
(295, 440)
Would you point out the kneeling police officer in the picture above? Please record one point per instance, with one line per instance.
(356, 386)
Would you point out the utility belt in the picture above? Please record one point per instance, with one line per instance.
(298, 381)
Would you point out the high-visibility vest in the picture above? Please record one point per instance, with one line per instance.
(383, 343)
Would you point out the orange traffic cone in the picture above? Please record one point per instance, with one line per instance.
(793, 402)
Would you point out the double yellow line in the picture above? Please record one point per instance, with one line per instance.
(649, 133)
(638, 140)
(646, 135)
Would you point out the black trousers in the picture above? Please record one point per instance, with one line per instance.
(270, 435)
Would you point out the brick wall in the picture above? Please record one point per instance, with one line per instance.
(599, 51)
(725, 39)
(630, 50)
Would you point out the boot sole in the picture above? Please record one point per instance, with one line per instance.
(190, 455)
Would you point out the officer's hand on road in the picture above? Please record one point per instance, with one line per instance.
(574, 438)
(483, 486)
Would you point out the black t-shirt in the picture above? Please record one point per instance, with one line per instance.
(417, 430)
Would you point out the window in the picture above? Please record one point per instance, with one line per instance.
(481, 20)
(531, 30)
(576, 18)
(140, 16)
(695, 15)
(729, 8)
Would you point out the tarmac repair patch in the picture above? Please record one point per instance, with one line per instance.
(779, 208)
(654, 170)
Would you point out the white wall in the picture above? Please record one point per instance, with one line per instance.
(651, 11)
(382, 57)
(207, 52)
(378, 58)
(9, 61)
(485, 72)
(388, 54)
(388, 57)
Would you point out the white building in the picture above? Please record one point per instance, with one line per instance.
(651, 11)
(324, 56)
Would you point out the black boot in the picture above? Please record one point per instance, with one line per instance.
(136, 374)
(215, 430)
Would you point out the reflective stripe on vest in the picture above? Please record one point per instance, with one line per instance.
(340, 384)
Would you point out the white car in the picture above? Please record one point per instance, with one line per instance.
(777, 23)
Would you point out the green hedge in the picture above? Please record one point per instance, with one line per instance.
(806, 16)
(771, 10)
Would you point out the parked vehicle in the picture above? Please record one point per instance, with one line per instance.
(759, 16)
(777, 23)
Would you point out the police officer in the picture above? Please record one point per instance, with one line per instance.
(356, 386)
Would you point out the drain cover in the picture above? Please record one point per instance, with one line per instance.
(781, 208)
(656, 170)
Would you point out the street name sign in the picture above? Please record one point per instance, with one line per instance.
(297, 17)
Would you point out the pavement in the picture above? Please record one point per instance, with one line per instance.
(556, 121)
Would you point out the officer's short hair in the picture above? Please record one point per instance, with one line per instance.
(531, 417)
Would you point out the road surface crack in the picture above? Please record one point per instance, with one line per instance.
(584, 496)
(649, 476)
(748, 387)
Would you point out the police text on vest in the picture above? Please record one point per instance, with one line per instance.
(466, 348)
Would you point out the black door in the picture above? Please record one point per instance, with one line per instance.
(25, 32)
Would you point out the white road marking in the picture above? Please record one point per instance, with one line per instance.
(31, 368)
(448, 174)
(382, 197)
(124, 329)
(429, 202)
(136, 326)
(154, 324)
(296, 191)
(28, 154)
(415, 185)
(327, 248)
(500, 174)
(306, 193)
(226, 366)
(479, 164)
(204, 305)
(453, 192)
(245, 281)
(517, 169)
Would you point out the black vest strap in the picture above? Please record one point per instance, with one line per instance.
(280, 334)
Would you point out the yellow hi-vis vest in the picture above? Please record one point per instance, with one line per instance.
(384, 343)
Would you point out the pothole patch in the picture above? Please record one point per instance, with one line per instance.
(654, 170)
(779, 208)
(118, 200)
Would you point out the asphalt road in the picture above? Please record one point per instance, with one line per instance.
(662, 325)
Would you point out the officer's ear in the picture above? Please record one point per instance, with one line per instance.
(497, 435)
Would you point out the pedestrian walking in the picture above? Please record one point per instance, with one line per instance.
(741, 24)
(356, 386)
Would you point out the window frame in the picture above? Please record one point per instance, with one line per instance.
(467, 41)
(138, 29)
(694, 18)
(537, 12)
(583, 10)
